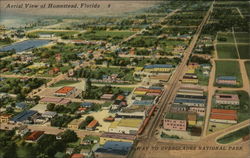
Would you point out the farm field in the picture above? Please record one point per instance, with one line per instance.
(247, 65)
(228, 68)
(226, 51)
(242, 37)
(225, 37)
(244, 51)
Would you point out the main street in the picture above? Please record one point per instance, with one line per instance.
(147, 137)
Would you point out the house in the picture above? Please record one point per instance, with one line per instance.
(192, 119)
(4, 118)
(107, 96)
(54, 70)
(22, 130)
(226, 80)
(126, 126)
(86, 152)
(174, 121)
(119, 137)
(92, 125)
(21, 105)
(227, 99)
(49, 114)
(86, 104)
(34, 136)
(59, 136)
(114, 149)
(69, 151)
(77, 156)
(65, 91)
(109, 119)
(75, 124)
(223, 116)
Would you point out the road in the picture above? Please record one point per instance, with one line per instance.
(167, 96)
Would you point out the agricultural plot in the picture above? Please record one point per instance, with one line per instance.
(228, 68)
(244, 51)
(247, 65)
(225, 37)
(242, 37)
(226, 51)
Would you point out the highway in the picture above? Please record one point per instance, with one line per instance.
(147, 137)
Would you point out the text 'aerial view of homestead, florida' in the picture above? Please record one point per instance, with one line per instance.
(124, 79)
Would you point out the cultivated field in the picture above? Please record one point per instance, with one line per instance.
(244, 51)
(227, 51)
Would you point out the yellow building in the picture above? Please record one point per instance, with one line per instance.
(192, 119)
(4, 118)
(125, 126)
(119, 137)
(140, 92)
(75, 124)
(187, 80)
(191, 71)
(138, 68)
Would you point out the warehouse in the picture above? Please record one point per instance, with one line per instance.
(126, 126)
(227, 99)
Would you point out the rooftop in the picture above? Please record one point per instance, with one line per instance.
(23, 115)
(65, 90)
(134, 123)
(175, 116)
(117, 148)
(223, 111)
(118, 135)
(226, 78)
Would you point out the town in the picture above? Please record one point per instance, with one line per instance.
(175, 73)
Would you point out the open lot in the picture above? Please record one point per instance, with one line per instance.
(244, 51)
(227, 51)
(228, 68)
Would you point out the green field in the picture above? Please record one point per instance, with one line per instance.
(64, 83)
(242, 37)
(247, 65)
(244, 51)
(228, 68)
(231, 137)
(225, 37)
(227, 51)
(104, 35)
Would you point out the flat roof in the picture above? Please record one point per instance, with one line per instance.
(23, 115)
(175, 116)
(223, 111)
(65, 90)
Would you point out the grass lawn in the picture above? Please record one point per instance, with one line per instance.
(214, 127)
(225, 37)
(242, 37)
(244, 50)
(226, 51)
(64, 83)
(203, 80)
(247, 65)
(231, 137)
(228, 68)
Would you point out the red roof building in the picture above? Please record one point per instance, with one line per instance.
(91, 126)
(34, 136)
(223, 116)
(65, 91)
(77, 156)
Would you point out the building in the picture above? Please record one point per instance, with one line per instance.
(46, 35)
(77, 156)
(190, 79)
(226, 80)
(92, 125)
(126, 126)
(174, 121)
(114, 149)
(227, 99)
(34, 136)
(132, 115)
(118, 137)
(65, 91)
(4, 118)
(49, 114)
(192, 119)
(107, 96)
(190, 102)
(198, 110)
(75, 124)
(22, 130)
(223, 116)
(158, 68)
(23, 117)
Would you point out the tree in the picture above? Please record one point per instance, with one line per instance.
(89, 119)
(50, 106)
(69, 136)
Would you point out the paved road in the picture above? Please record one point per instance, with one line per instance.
(168, 95)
